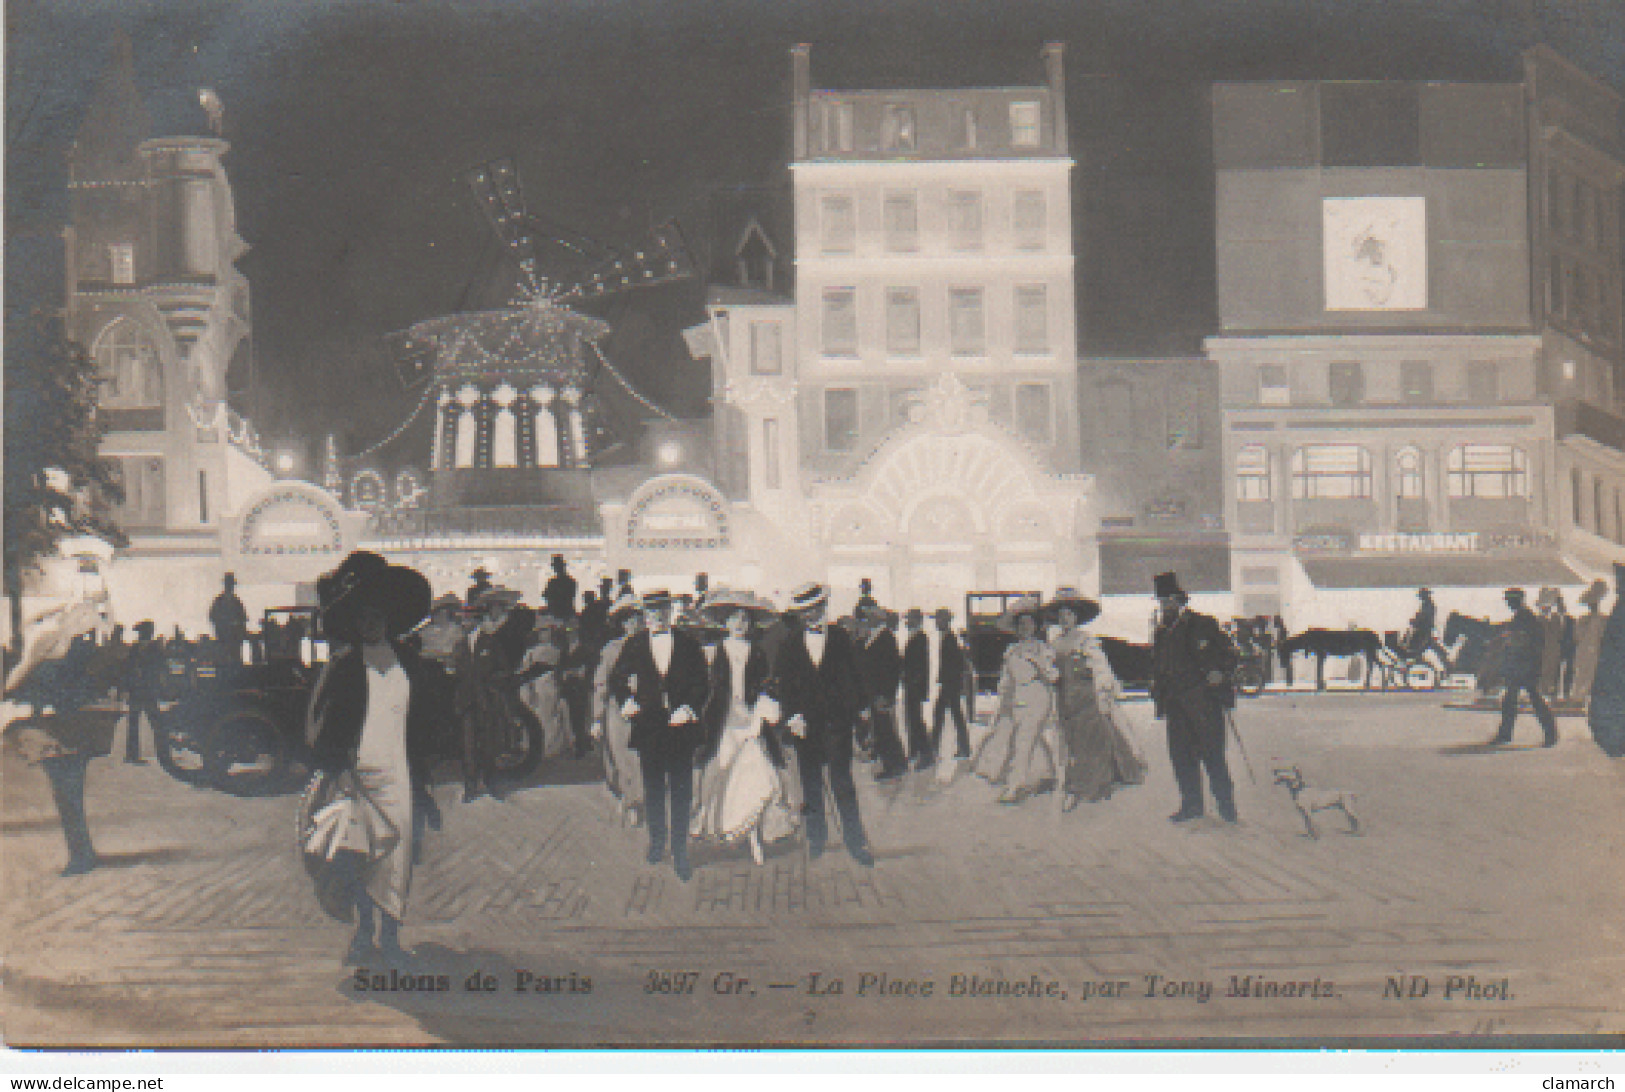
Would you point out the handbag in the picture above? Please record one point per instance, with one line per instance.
(340, 817)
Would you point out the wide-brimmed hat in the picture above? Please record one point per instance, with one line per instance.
(1014, 611)
(724, 602)
(497, 596)
(656, 600)
(1546, 597)
(943, 612)
(810, 596)
(449, 601)
(144, 628)
(364, 580)
(481, 573)
(624, 604)
(1086, 609)
(874, 612)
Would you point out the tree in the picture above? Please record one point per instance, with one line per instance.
(56, 481)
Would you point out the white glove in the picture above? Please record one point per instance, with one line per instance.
(767, 709)
(683, 715)
(630, 708)
(597, 730)
(798, 726)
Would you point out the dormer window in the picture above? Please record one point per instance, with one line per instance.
(1024, 124)
(897, 128)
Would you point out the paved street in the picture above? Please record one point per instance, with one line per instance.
(1495, 878)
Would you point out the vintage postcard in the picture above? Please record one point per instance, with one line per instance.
(534, 524)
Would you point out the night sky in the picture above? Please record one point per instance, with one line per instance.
(353, 125)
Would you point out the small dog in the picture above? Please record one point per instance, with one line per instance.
(1309, 801)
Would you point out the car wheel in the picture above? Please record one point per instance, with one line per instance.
(179, 753)
(250, 754)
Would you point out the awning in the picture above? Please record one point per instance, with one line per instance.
(1436, 572)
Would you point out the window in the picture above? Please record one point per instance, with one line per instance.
(1488, 470)
(1274, 389)
(1024, 124)
(770, 452)
(121, 257)
(837, 126)
(1027, 219)
(1252, 473)
(1032, 319)
(967, 331)
(1331, 472)
(143, 480)
(1116, 402)
(203, 496)
(131, 374)
(1346, 379)
(1184, 417)
(902, 216)
(1408, 482)
(840, 224)
(1574, 496)
(840, 321)
(964, 219)
(967, 128)
(897, 128)
(841, 419)
(1416, 381)
(1483, 382)
(903, 321)
(1033, 420)
(765, 357)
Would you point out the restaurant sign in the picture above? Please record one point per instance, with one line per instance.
(1424, 542)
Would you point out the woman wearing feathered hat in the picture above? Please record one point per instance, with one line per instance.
(740, 794)
(1099, 755)
(368, 719)
(1015, 755)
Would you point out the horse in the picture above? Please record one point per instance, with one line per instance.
(1481, 648)
(1321, 643)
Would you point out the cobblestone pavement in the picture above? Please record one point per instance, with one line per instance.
(1490, 879)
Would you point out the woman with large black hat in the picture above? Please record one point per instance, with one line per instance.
(1606, 714)
(369, 721)
(1098, 753)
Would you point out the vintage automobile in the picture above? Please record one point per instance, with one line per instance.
(240, 728)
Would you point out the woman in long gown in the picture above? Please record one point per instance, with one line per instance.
(1019, 754)
(1588, 640)
(541, 690)
(741, 795)
(1607, 712)
(623, 775)
(368, 716)
(1098, 754)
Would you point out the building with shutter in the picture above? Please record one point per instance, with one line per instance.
(1419, 352)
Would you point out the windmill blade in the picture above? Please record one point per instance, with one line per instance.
(413, 358)
(498, 192)
(660, 259)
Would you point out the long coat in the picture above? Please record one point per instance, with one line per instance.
(685, 682)
(917, 666)
(338, 708)
(827, 695)
(1606, 714)
(1182, 655)
(880, 666)
(1525, 648)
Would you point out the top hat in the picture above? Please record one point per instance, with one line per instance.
(1424, 593)
(480, 573)
(943, 612)
(810, 596)
(1166, 585)
(1513, 595)
(1085, 609)
(144, 628)
(914, 615)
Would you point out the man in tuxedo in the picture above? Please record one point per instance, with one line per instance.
(820, 697)
(660, 681)
(1192, 660)
(948, 685)
(483, 665)
(560, 593)
(880, 667)
(917, 687)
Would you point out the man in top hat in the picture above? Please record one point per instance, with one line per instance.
(660, 681)
(560, 592)
(484, 666)
(820, 696)
(948, 684)
(229, 619)
(880, 667)
(1520, 666)
(1191, 664)
(482, 584)
(917, 687)
(143, 674)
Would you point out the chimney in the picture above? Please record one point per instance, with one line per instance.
(801, 92)
(1055, 71)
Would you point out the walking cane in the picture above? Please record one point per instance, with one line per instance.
(1230, 719)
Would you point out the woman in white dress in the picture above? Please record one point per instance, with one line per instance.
(741, 795)
(368, 717)
(1020, 753)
